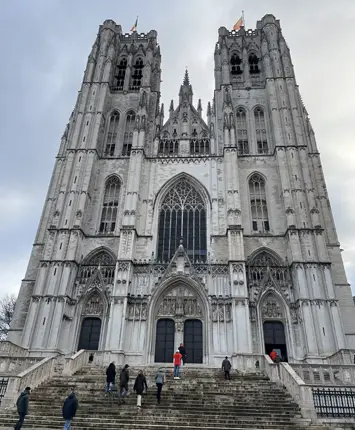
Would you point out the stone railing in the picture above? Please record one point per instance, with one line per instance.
(76, 362)
(31, 377)
(247, 362)
(326, 374)
(284, 375)
(343, 356)
(9, 349)
(9, 365)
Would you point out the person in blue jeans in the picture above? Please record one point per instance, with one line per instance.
(110, 376)
(69, 409)
(177, 364)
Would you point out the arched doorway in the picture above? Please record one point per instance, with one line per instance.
(90, 334)
(274, 338)
(164, 342)
(193, 341)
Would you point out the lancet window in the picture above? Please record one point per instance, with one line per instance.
(120, 74)
(137, 74)
(110, 205)
(260, 129)
(101, 261)
(182, 217)
(259, 213)
(236, 65)
(111, 137)
(169, 146)
(253, 64)
(128, 135)
(242, 132)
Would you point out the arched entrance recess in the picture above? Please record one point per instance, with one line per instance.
(185, 304)
(165, 340)
(90, 334)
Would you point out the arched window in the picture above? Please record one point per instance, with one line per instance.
(259, 215)
(242, 132)
(236, 65)
(128, 135)
(137, 74)
(253, 64)
(110, 205)
(182, 216)
(111, 138)
(260, 128)
(120, 74)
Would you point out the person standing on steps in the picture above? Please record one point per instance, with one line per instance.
(139, 384)
(273, 355)
(226, 366)
(110, 376)
(124, 379)
(22, 407)
(183, 353)
(177, 364)
(160, 381)
(69, 409)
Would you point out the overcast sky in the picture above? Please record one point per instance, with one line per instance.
(45, 44)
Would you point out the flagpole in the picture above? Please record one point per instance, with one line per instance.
(243, 18)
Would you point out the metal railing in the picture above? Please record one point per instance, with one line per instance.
(3, 387)
(334, 403)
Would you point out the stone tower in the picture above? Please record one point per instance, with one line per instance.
(155, 232)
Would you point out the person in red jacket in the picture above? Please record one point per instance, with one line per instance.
(273, 355)
(177, 364)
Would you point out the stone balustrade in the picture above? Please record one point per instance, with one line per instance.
(14, 365)
(9, 349)
(247, 362)
(76, 362)
(326, 374)
(343, 356)
(32, 377)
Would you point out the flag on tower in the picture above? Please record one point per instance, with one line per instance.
(238, 24)
(134, 28)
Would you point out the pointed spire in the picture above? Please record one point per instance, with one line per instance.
(186, 78)
(171, 106)
(199, 107)
(209, 110)
(162, 114)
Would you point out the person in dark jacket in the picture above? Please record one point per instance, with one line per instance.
(160, 381)
(226, 366)
(183, 353)
(139, 384)
(22, 407)
(124, 379)
(110, 376)
(69, 409)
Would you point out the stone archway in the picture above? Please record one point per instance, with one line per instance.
(180, 303)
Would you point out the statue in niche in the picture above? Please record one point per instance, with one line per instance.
(137, 311)
(214, 312)
(131, 311)
(221, 313)
(228, 313)
(144, 311)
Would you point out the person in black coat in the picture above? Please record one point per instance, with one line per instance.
(69, 409)
(139, 385)
(22, 407)
(182, 351)
(124, 379)
(226, 366)
(110, 376)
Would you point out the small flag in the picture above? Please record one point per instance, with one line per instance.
(238, 24)
(134, 28)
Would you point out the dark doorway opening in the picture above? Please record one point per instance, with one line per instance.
(164, 343)
(193, 341)
(90, 334)
(274, 338)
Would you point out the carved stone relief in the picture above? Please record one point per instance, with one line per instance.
(271, 308)
(94, 305)
(137, 310)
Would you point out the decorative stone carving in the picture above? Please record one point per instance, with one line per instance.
(94, 305)
(180, 302)
(271, 308)
(137, 309)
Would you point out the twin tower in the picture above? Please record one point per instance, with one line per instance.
(160, 228)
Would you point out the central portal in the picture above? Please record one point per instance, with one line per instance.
(193, 341)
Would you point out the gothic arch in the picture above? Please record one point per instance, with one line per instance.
(94, 303)
(267, 252)
(102, 250)
(161, 194)
(193, 297)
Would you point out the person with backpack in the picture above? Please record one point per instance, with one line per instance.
(69, 409)
(177, 364)
(139, 384)
(226, 366)
(160, 381)
(22, 407)
(124, 379)
(110, 376)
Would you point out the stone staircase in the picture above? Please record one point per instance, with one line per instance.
(201, 399)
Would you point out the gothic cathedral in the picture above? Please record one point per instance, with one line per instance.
(160, 229)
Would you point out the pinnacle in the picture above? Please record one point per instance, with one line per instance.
(186, 78)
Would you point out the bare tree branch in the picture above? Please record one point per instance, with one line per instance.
(7, 307)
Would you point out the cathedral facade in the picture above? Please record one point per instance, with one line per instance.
(161, 228)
